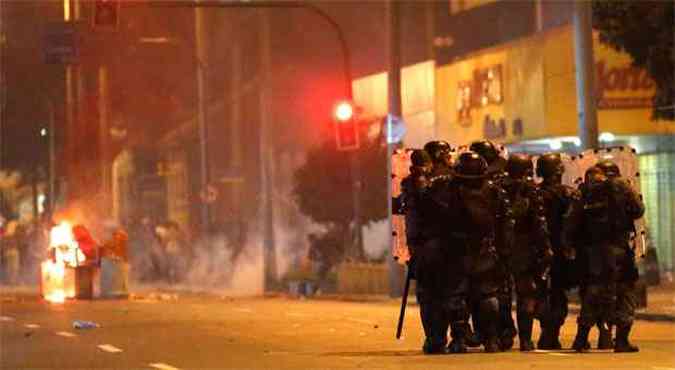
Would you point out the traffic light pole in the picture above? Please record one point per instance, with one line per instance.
(396, 275)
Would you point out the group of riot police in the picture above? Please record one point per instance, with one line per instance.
(480, 228)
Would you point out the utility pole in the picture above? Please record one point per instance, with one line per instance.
(52, 159)
(395, 110)
(69, 98)
(104, 144)
(3, 82)
(585, 74)
(201, 114)
(267, 209)
(234, 103)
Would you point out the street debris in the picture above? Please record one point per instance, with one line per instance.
(80, 324)
(27, 334)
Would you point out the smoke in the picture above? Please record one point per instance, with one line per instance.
(210, 265)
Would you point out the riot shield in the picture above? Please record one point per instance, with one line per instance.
(626, 158)
(400, 169)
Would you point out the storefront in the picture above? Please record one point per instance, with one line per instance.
(523, 94)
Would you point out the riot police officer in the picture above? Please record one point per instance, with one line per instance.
(440, 153)
(605, 214)
(489, 152)
(557, 199)
(531, 254)
(473, 226)
(505, 327)
(411, 189)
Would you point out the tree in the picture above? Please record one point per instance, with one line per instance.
(323, 185)
(644, 30)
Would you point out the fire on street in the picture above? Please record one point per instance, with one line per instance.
(197, 332)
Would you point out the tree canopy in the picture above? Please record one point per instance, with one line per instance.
(644, 30)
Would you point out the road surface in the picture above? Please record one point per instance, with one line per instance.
(209, 332)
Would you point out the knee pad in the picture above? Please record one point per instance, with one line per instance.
(456, 309)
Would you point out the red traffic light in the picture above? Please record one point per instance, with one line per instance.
(346, 126)
(344, 111)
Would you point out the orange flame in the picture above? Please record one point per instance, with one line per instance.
(56, 284)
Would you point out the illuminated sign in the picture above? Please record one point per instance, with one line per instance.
(623, 87)
(486, 88)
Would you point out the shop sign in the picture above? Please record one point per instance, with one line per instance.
(623, 87)
(485, 88)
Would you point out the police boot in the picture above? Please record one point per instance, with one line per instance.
(545, 338)
(622, 344)
(605, 337)
(581, 340)
(459, 333)
(492, 345)
(525, 333)
(506, 339)
(550, 338)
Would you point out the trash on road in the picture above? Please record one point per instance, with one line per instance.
(80, 324)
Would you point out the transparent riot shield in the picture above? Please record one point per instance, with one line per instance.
(400, 168)
(626, 159)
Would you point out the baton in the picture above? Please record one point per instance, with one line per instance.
(404, 302)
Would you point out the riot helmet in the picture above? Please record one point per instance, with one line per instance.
(519, 165)
(420, 158)
(485, 149)
(439, 150)
(550, 165)
(610, 168)
(470, 165)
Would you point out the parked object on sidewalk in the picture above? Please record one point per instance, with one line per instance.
(81, 324)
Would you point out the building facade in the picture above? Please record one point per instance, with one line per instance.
(515, 84)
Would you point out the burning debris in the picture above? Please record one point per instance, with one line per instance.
(70, 249)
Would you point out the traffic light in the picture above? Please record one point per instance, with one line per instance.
(106, 14)
(346, 126)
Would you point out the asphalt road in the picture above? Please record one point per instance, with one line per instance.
(200, 332)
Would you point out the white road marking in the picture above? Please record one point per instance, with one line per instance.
(109, 348)
(162, 366)
(32, 326)
(6, 318)
(558, 354)
(66, 334)
(362, 334)
(242, 309)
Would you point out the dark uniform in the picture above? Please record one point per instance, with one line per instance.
(506, 328)
(467, 238)
(411, 188)
(532, 254)
(558, 199)
(424, 230)
(604, 215)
